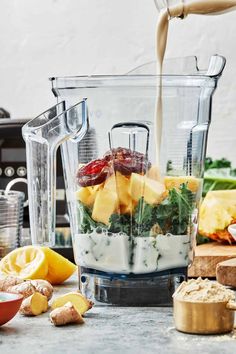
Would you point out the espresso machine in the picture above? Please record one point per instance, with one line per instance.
(133, 215)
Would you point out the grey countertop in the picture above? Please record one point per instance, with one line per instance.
(109, 329)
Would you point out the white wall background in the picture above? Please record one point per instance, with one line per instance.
(43, 38)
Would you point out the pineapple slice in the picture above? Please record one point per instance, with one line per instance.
(176, 181)
(217, 212)
(154, 191)
(83, 194)
(142, 186)
(106, 203)
(87, 195)
(137, 183)
(119, 184)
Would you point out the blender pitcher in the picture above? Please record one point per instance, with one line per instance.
(133, 221)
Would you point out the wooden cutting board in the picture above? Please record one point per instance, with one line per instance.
(207, 256)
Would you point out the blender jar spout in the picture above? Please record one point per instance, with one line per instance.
(43, 135)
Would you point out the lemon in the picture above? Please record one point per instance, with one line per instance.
(27, 262)
(59, 268)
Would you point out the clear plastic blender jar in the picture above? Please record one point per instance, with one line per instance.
(133, 219)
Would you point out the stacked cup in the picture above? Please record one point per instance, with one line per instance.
(11, 220)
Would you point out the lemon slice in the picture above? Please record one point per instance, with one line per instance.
(59, 268)
(27, 262)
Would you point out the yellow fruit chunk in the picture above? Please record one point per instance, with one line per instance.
(83, 194)
(175, 182)
(27, 262)
(59, 268)
(105, 204)
(217, 211)
(87, 195)
(137, 183)
(80, 302)
(119, 184)
(154, 191)
(142, 186)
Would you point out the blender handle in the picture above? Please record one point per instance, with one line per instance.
(43, 135)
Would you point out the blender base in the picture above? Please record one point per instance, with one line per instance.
(155, 289)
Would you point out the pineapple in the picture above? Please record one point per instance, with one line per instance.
(142, 186)
(87, 195)
(176, 181)
(217, 212)
(106, 203)
(119, 184)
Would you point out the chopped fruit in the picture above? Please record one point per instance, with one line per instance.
(120, 160)
(217, 212)
(105, 204)
(34, 305)
(122, 183)
(193, 183)
(93, 173)
(142, 186)
(65, 315)
(127, 161)
(154, 173)
(59, 268)
(154, 191)
(119, 184)
(87, 195)
(27, 262)
(83, 194)
(80, 302)
(137, 183)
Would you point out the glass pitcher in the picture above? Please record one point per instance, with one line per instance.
(133, 222)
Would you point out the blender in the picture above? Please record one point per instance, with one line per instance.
(133, 216)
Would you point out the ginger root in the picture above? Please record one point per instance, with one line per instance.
(43, 287)
(9, 281)
(34, 305)
(26, 287)
(79, 301)
(65, 315)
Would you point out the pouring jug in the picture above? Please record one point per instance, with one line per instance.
(133, 222)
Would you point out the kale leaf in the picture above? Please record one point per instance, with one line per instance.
(120, 223)
(174, 214)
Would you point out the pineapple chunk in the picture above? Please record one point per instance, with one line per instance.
(175, 182)
(106, 203)
(83, 194)
(137, 183)
(87, 195)
(142, 186)
(154, 191)
(120, 185)
(217, 211)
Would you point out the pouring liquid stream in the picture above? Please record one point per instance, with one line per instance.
(201, 7)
